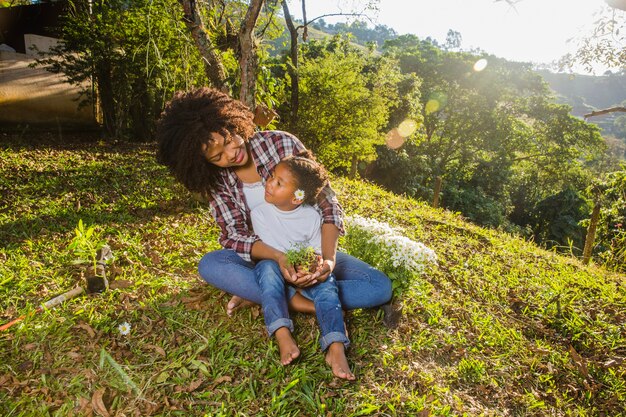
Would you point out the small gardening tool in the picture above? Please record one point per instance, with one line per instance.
(95, 283)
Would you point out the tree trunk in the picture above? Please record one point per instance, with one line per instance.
(213, 66)
(591, 233)
(437, 191)
(107, 101)
(353, 167)
(249, 60)
(293, 68)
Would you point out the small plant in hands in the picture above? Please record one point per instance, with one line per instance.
(303, 257)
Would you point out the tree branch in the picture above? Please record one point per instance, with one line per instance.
(605, 111)
(330, 15)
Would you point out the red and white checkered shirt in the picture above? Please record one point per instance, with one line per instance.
(229, 208)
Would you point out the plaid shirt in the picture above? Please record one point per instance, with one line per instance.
(229, 208)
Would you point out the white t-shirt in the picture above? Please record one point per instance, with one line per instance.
(254, 193)
(284, 229)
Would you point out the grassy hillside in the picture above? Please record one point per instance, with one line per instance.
(498, 327)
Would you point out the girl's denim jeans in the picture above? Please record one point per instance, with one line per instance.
(324, 295)
(360, 285)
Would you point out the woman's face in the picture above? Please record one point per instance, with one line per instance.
(225, 152)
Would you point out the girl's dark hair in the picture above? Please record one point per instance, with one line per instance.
(310, 176)
(187, 123)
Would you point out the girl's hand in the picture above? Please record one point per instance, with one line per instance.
(304, 276)
(288, 271)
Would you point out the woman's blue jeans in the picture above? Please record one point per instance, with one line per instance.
(324, 295)
(360, 285)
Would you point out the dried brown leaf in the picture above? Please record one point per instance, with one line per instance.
(221, 379)
(579, 361)
(157, 349)
(87, 328)
(97, 403)
(194, 385)
(122, 283)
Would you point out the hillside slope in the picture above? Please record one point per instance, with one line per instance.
(498, 327)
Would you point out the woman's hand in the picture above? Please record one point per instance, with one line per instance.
(324, 270)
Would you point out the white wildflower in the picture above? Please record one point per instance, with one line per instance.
(299, 194)
(124, 328)
(399, 250)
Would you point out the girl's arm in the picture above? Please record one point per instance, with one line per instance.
(262, 251)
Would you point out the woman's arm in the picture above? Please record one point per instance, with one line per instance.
(234, 231)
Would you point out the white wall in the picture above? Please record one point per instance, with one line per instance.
(34, 95)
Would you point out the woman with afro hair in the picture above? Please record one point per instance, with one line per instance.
(208, 141)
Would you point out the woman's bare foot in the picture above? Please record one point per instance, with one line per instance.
(235, 304)
(336, 358)
(286, 345)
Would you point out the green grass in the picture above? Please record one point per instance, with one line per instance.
(499, 327)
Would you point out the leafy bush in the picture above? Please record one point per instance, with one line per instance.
(611, 234)
(557, 219)
(134, 54)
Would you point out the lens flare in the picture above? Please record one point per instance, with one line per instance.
(394, 139)
(407, 127)
(432, 106)
(480, 65)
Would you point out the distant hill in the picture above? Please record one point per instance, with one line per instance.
(586, 93)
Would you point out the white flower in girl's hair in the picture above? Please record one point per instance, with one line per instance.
(299, 195)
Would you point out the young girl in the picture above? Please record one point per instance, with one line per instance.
(289, 221)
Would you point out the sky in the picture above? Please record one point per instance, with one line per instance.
(531, 31)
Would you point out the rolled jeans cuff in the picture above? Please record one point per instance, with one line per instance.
(277, 324)
(332, 337)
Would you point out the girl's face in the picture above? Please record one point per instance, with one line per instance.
(280, 188)
(226, 152)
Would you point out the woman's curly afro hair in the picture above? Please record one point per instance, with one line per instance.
(187, 123)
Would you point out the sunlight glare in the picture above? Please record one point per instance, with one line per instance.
(432, 106)
(394, 139)
(407, 127)
(480, 65)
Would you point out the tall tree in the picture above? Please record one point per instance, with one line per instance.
(248, 60)
(213, 66)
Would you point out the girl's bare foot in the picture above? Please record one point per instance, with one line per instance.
(336, 358)
(235, 304)
(286, 345)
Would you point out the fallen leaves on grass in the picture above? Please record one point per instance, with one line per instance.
(97, 403)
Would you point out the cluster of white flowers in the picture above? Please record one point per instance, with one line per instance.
(402, 251)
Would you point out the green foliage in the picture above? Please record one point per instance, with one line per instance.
(301, 255)
(604, 45)
(343, 104)
(611, 233)
(85, 244)
(495, 136)
(135, 55)
(557, 219)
